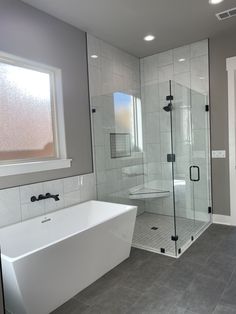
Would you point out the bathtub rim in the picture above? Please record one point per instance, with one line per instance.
(127, 208)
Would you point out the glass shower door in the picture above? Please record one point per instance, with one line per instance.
(190, 134)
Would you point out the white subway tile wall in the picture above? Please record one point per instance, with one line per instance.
(188, 66)
(16, 205)
(112, 71)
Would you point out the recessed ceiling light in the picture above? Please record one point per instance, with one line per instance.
(149, 37)
(215, 1)
(94, 56)
(201, 77)
(182, 59)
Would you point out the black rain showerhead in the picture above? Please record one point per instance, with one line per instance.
(168, 108)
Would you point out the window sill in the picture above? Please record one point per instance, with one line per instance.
(33, 166)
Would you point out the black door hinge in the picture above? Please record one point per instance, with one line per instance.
(163, 250)
(209, 210)
(93, 110)
(170, 157)
(207, 108)
(179, 251)
(170, 97)
(174, 238)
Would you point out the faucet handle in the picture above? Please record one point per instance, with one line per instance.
(41, 197)
(33, 199)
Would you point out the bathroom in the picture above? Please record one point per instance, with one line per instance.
(117, 195)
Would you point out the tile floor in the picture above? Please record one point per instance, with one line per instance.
(145, 237)
(201, 281)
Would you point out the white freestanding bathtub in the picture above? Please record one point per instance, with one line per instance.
(47, 260)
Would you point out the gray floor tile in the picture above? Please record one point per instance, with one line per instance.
(93, 293)
(196, 257)
(71, 307)
(137, 259)
(224, 309)
(217, 270)
(202, 295)
(117, 301)
(201, 281)
(180, 310)
(145, 276)
(228, 247)
(158, 299)
(229, 295)
(178, 277)
(221, 258)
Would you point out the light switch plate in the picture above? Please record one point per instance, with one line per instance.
(218, 154)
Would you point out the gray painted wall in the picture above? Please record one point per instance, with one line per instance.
(32, 34)
(221, 47)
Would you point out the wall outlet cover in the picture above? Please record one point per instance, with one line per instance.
(218, 154)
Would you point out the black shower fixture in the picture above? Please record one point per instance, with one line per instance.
(168, 108)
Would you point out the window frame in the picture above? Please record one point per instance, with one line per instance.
(60, 160)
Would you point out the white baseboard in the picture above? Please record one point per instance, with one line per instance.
(222, 219)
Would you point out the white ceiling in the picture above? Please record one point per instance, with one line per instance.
(124, 23)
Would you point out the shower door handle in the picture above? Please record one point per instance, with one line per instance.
(198, 173)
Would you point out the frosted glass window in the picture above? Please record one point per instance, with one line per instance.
(26, 113)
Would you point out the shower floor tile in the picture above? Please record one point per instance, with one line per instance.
(153, 232)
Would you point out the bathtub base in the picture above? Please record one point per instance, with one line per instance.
(42, 281)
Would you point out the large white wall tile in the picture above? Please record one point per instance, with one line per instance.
(54, 187)
(71, 184)
(199, 48)
(26, 191)
(72, 198)
(181, 59)
(31, 209)
(165, 58)
(88, 187)
(10, 208)
(150, 69)
(166, 73)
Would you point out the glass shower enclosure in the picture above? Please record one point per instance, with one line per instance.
(154, 152)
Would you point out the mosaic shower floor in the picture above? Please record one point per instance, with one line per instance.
(153, 232)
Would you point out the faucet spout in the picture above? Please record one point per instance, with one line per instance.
(55, 197)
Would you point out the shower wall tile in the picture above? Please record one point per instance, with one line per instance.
(187, 67)
(199, 74)
(150, 73)
(199, 48)
(181, 59)
(150, 96)
(183, 79)
(152, 127)
(166, 73)
(119, 72)
(165, 58)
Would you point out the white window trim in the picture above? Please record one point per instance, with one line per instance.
(59, 162)
(231, 69)
(35, 166)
